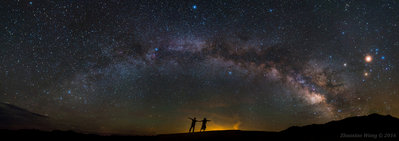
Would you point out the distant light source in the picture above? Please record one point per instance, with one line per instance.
(194, 6)
(368, 59)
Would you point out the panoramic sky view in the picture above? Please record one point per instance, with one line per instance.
(144, 67)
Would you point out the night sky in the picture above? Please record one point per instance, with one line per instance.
(144, 67)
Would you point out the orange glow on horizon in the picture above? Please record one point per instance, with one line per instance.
(218, 127)
(215, 127)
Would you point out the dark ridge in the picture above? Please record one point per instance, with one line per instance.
(13, 117)
(35, 132)
(357, 122)
(231, 135)
(16, 108)
(371, 127)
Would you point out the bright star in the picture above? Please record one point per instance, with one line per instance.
(194, 6)
(368, 58)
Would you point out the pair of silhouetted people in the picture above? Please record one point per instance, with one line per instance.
(194, 120)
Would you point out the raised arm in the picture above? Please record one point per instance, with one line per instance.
(190, 118)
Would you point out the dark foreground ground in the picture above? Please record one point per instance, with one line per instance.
(371, 127)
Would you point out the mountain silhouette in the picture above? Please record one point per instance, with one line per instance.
(13, 117)
(373, 126)
(6, 108)
(369, 127)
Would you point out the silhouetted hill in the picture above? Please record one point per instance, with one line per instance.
(361, 127)
(369, 127)
(40, 133)
(4, 107)
(220, 135)
(13, 117)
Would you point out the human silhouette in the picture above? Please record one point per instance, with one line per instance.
(203, 127)
(193, 121)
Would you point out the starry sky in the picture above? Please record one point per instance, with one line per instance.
(143, 67)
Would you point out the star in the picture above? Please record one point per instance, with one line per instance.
(368, 58)
(194, 7)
